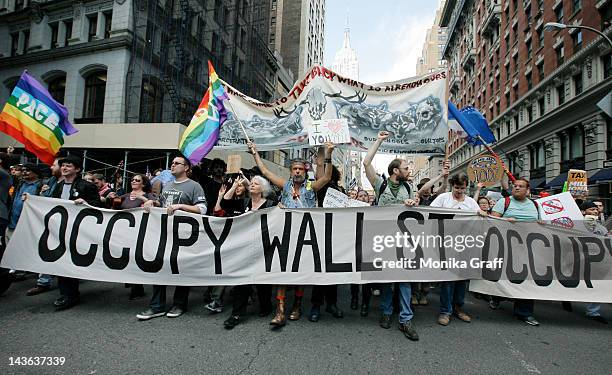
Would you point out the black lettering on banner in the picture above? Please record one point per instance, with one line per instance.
(151, 266)
(177, 242)
(492, 274)
(441, 217)
(217, 241)
(399, 251)
(540, 280)
(359, 264)
(330, 266)
(122, 261)
(514, 277)
(51, 255)
(312, 242)
(282, 246)
(83, 260)
(573, 279)
(588, 258)
(608, 243)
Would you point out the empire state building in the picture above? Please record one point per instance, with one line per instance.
(345, 61)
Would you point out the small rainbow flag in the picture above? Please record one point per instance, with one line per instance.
(35, 119)
(203, 131)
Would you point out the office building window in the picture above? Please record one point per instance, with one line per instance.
(95, 90)
(57, 88)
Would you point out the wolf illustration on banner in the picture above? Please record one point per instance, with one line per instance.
(410, 110)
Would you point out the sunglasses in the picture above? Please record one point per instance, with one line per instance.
(136, 180)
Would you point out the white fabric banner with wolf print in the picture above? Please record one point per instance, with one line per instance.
(413, 110)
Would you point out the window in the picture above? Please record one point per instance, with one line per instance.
(559, 13)
(19, 4)
(214, 43)
(95, 90)
(577, 40)
(607, 65)
(529, 81)
(151, 101)
(540, 69)
(516, 93)
(26, 40)
(14, 43)
(528, 14)
(507, 39)
(68, 35)
(93, 27)
(508, 100)
(529, 113)
(561, 93)
(529, 51)
(565, 149)
(541, 37)
(560, 55)
(577, 143)
(577, 84)
(576, 5)
(541, 106)
(515, 63)
(108, 23)
(516, 122)
(54, 34)
(57, 88)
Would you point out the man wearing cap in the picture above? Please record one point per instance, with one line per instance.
(297, 192)
(74, 188)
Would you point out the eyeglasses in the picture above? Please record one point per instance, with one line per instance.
(136, 180)
(177, 163)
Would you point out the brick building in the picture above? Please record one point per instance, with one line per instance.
(538, 89)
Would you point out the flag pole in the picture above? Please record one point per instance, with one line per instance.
(510, 176)
(239, 121)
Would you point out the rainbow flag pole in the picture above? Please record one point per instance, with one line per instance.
(35, 119)
(203, 131)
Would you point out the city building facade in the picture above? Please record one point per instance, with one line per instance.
(431, 58)
(538, 89)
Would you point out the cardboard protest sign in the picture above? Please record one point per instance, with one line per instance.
(577, 183)
(485, 169)
(234, 163)
(337, 199)
(333, 130)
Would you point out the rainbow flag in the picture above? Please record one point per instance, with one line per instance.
(35, 119)
(203, 131)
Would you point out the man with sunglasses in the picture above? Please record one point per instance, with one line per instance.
(182, 194)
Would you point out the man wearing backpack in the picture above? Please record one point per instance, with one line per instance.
(518, 207)
(392, 191)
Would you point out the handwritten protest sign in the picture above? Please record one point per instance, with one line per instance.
(485, 169)
(337, 199)
(332, 130)
(577, 183)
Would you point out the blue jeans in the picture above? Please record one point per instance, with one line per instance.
(592, 309)
(524, 308)
(158, 299)
(386, 301)
(452, 293)
(44, 280)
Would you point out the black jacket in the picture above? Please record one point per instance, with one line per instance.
(80, 189)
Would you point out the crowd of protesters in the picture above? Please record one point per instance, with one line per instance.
(208, 189)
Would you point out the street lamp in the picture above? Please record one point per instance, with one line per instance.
(551, 26)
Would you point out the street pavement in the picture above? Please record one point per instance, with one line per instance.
(103, 336)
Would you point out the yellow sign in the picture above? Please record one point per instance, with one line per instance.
(577, 183)
(485, 169)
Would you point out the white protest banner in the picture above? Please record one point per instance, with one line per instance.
(311, 246)
(560, 209)
(333, 130)
(413, 110)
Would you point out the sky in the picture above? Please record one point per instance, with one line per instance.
(388, 35)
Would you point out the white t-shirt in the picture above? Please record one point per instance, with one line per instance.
(446, 200)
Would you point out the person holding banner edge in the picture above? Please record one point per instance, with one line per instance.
(297, 192)
(394, 190)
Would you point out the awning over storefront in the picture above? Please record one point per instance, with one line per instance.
(602, 176)
(557, 182)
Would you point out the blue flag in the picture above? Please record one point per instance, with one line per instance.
(473, 123)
